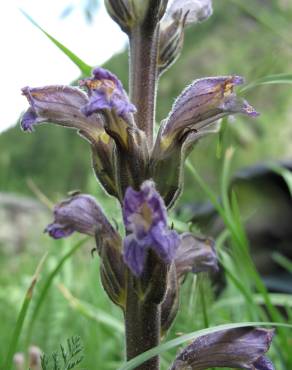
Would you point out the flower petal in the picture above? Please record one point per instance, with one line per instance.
(195, 255)
(106, 91)
(61, 105)
(203, 102)
(145, 220)
(196, 10)
(79, 213)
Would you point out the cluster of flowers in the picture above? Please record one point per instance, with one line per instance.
(147, 178)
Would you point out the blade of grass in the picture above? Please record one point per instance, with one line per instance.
(192, 336)
(91, 312)
(281, 78)
(12, 349)
(46, 287)
(85, 69)
(283, 261)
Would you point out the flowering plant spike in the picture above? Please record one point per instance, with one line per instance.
(142, 272)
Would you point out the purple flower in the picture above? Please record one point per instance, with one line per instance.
(145, 219)
(106, 91)
(195, 255)
(61, 105)
(196, 10)
(79, 213)
(205, 101)
(199, 106)
(242, 348)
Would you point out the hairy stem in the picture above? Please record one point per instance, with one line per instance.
(142, 320)
(143, 76)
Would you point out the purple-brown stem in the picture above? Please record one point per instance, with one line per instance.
(142, 320)
(143, 75)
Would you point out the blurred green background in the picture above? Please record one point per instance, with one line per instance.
(251, 38)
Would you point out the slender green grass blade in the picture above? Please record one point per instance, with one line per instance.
(283, 261)
(282, 78)
(47, 285)
(85, 69)
(91, 312)
(278, 299)
(22, 315)
(192, 336)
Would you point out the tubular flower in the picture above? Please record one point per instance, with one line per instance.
(200, 105)
(105, 91)
(61, 105)
(242, 348)
(145, 219)
(195, 10)
(79, 213)
(195, 255)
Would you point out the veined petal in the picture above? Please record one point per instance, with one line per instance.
(195, 114)
(236, 348)
(195, 255)
(61, 105)
(106, 92)
(203, 102)
(196, 10)
(79, 213)
(145, 220)
(135, 254)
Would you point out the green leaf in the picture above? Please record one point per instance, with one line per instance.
(190, 337)
(46, 287)
(282, 78)
(22, 315)
(90, 311)
(85, 69)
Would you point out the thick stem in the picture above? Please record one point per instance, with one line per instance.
(142, 320)
(143, 76)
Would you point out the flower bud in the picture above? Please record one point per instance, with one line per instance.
(195, 10)
(34, 356)
(131, 13)
(170, 40)
(19, 361)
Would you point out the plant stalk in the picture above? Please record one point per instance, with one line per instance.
(143, 76)
(142, 321)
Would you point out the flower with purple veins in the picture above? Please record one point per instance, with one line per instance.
(106, 91)
(145, 220)
(79, 213)
(205, 101)
(242, 348)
